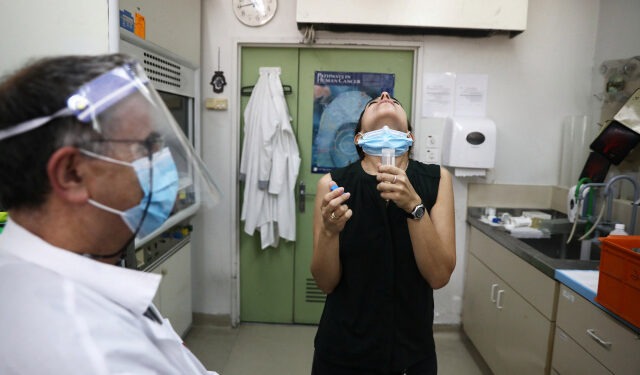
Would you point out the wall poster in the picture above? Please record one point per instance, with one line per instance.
(338, 100)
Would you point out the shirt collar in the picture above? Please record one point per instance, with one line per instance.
(132, 289)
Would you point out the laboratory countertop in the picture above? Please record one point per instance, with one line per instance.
(543, 263)
(579, 275)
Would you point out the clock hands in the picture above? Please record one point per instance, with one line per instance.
(246, 5)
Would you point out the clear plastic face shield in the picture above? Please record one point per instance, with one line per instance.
(134, 129)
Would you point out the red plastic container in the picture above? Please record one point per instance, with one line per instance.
(619, 280)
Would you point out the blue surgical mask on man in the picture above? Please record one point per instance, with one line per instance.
(160, 191)
(373, 142)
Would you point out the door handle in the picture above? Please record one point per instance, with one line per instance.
(302, 195)
(500, 292)
(592, 332)
(493, 291)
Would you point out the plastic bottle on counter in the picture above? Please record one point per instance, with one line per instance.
(618, 231)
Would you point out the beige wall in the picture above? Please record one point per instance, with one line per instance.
(38, 28)
(509, 196)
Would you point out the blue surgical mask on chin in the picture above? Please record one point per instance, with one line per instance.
(163, 193)
(373, 142)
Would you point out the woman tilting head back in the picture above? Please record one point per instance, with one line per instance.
(384, 238)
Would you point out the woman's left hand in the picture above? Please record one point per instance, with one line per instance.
(394, 185)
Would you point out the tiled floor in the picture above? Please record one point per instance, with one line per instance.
(274, 349)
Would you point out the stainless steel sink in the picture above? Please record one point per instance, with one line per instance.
(556, 247)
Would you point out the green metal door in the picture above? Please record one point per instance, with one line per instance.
(307, 309)
(276, 284)
(266, 276)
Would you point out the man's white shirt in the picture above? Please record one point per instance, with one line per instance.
(63, 313)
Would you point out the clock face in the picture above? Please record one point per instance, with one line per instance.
(255, 12)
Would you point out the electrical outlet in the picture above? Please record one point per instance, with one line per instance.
(432, 156)
(433, 141)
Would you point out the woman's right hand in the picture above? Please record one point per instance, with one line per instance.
(334, 212)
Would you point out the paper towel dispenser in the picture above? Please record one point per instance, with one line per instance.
(469, 142)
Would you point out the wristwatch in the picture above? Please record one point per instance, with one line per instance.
(417, 213)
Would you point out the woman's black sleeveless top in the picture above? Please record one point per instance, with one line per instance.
(380, 315)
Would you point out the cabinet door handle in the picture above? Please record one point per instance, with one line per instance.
(493, 292)
(498, 305)
(592, 332)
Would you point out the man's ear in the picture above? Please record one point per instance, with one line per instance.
(65, 173)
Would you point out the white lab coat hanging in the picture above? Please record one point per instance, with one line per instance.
(270, 162)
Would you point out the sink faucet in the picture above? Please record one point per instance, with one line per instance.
(635, 202)
(584, 214)
(583, 188)
(607, 194)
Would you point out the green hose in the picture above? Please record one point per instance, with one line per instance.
(590, 201)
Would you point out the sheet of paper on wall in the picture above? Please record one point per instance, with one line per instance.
(437, 94)
(471, 95)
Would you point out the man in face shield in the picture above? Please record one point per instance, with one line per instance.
(87, 163)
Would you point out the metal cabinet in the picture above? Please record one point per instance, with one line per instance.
(569, 358)
(523, 335)
(510, 334)
(510, 322)
(479, 311)
(173, 297)
(586, 334)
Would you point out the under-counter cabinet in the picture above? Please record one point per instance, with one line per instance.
(173, 298)
(590, 341)
(508, 310)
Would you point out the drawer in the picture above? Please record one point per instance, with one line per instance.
(569, 358)
(534, 286)
(586, 324)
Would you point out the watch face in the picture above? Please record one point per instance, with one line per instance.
(419, 212)
(254, 12)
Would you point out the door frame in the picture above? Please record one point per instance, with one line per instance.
(235, 114)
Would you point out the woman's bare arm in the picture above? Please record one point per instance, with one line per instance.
(433, 236)
(325, 263)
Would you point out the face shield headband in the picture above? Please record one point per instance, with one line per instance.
(90, 99)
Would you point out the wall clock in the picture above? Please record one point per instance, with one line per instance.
(254, 12)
